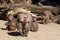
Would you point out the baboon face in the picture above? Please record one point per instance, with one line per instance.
(10, 17)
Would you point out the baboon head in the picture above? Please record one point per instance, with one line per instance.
(24, 17)
(10, 17)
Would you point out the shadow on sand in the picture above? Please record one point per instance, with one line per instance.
(3, 28)
(14, 33)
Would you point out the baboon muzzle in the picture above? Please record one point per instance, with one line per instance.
(25, 19)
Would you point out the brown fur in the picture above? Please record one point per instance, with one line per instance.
(11, 28)
(47, 16)
(11, 25)
(34, 25)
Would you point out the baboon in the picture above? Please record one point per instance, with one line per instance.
(34, 25)
(23, 23)
(48, 16)
(11, 25)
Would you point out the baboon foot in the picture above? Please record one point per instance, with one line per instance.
(35, 29)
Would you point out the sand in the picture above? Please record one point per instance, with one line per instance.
(50, 31)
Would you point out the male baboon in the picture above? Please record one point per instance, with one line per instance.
(23, 23)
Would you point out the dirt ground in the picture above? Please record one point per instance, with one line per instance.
(50, 31)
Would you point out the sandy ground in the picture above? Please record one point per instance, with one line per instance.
(49, 31)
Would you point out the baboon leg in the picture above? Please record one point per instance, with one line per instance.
(19, 27)
(26, 29)
(21, 32)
